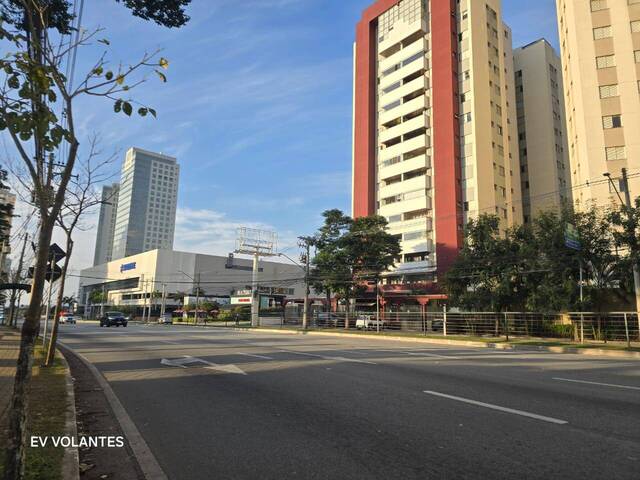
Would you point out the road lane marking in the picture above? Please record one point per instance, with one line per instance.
(497, 407)
(256, 356)
(337, 359)
(421, 354)
(629, 387)
(187, 360)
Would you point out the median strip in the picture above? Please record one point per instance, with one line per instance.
(499, 408)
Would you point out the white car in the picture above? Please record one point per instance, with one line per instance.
(367, 322)
(67, 318)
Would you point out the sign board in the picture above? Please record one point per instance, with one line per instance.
(125, 267)
(572, 238)
(240, 300)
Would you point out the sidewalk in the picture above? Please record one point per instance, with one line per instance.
(9, 349)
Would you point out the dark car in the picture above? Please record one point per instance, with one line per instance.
(113, 319)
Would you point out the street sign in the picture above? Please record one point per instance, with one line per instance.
(571, 237)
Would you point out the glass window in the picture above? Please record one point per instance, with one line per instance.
(608, 91)
(606, 61)
(616, 153)
(602, 32)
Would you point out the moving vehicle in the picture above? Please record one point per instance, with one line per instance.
(113, 319)
(67, 318)
(368, 322)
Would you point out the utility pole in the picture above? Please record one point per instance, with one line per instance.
(636, 272)
(164, 299)
(255, 294)
(18, 279)
(306, 259)
(102, 302)
(197, 295)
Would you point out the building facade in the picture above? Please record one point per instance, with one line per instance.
(600, 51)
(147, 201)
(131, 281)
(106, 224)
(435, 134)
(7, 206)
(544, 157)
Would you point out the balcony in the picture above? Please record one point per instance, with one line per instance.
(400, 32)
(420, 103)
(400, 55)
(403, 128)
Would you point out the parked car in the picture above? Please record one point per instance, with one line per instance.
(166, 318)
(368, 322)
(67, 318)
(113, 319)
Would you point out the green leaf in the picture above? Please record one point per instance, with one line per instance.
(127, 108)
(52, 96)
(143, 111)
(108, 75)
(162, 76)
(120, 79)
(164, 63)
(98, 71)
(153, 112)
(104, 41)
(13, 82)
(117, 107)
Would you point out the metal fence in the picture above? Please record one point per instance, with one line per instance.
(582, 327)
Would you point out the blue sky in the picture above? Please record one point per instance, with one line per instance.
(257, 109)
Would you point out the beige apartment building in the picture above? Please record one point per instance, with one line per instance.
(544, 156)
(435, 133)
(600, 44)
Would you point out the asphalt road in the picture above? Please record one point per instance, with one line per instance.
(272, 406)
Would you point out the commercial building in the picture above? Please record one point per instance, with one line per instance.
(600, 51)
(147, 200)
(435, 133)
(106, 224)
(166, 276)
(544, 157)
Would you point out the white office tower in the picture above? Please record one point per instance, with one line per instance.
(146, 213)
(106, 224)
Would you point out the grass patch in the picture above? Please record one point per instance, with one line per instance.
(47, 411)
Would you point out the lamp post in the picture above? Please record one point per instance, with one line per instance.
(196, 282)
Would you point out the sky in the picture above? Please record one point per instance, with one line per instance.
(257, 109)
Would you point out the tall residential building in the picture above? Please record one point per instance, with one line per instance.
(600, 48)
(146, 213)
(106, 224)
(435, 134)
(542, 136)
(7, 206)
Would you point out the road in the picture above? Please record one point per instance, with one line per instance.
(274, 406)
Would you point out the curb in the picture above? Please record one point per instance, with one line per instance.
(71, 458)
(146, 460)
(467, 343)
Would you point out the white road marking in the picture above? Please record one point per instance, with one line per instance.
(629, 387)
(337, 359)
(421, 354)
(497, 407)
(187, 360)
(256, 356)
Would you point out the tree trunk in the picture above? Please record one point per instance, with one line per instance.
(30, 328)
(56, 320)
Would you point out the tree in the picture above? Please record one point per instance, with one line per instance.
(352, 252)
(329, 270)
(82, 196)
(33, 90)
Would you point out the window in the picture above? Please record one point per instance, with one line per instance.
(612, 121)
(616, 153)
(635, 26)
(419, 235)
(608, 91)
(606, 61)
(637, 55)
(598, 5)
(602, 32)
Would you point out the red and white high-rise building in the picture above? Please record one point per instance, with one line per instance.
(435, 131)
